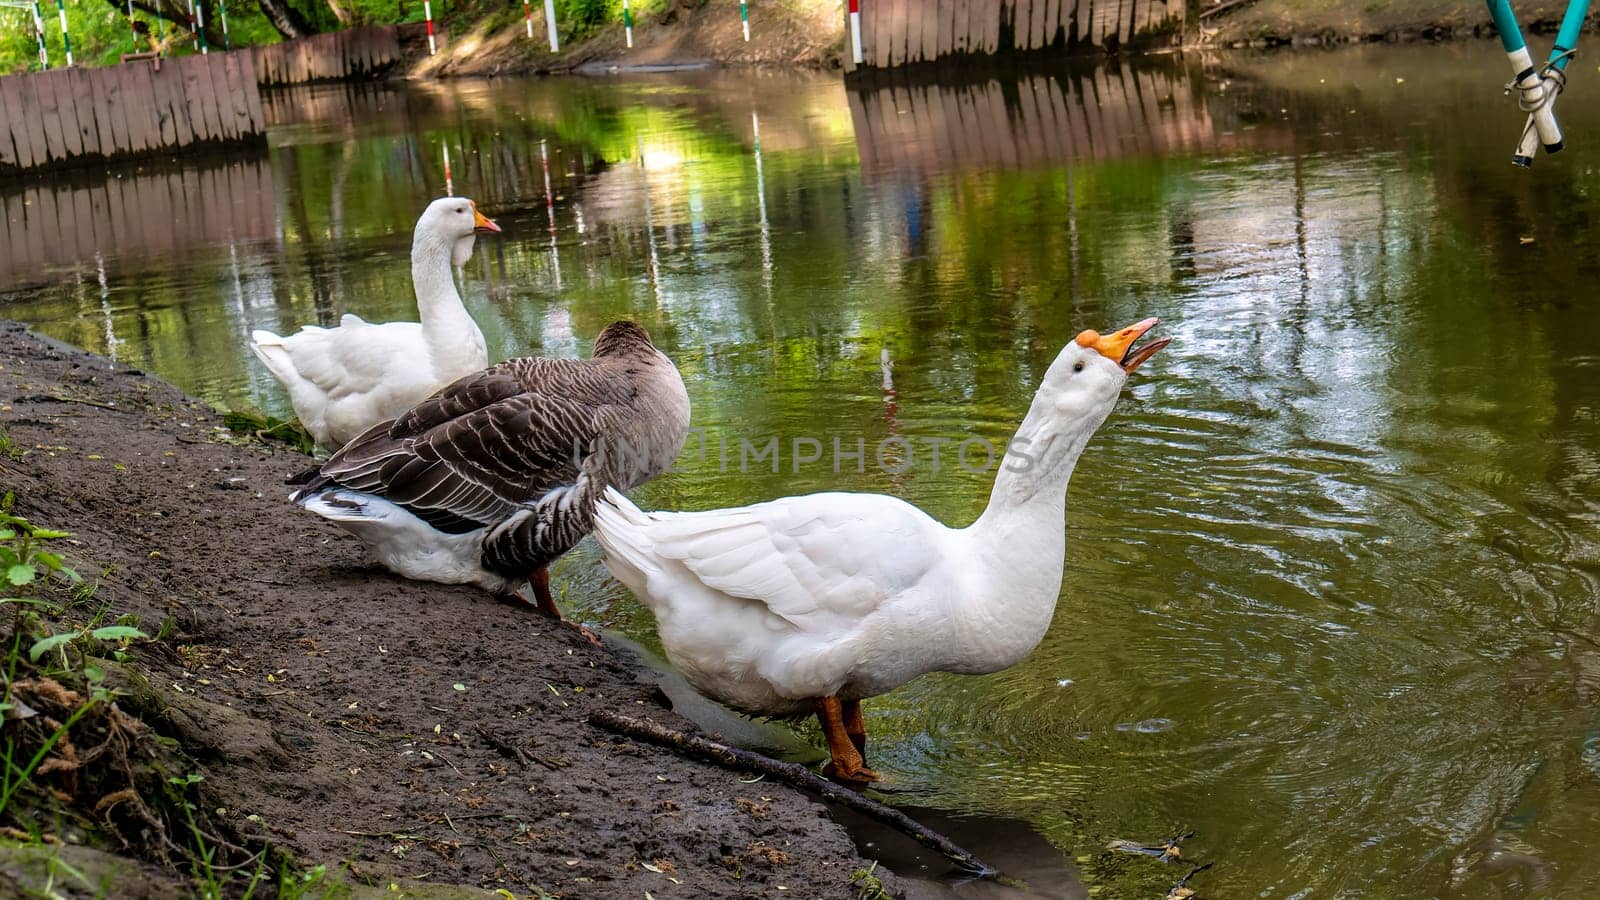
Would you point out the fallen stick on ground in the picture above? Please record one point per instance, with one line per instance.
(792, 774)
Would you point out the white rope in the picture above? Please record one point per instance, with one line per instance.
(1548, 76)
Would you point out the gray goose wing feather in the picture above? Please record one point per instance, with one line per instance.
(487, 444)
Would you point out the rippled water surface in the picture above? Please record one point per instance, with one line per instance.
(1331, 597)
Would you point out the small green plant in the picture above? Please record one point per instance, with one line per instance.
(315, 883)
(868, 885)
(61, 642)
(22, 557)
(9, 449)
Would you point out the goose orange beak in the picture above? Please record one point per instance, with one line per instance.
(481, 222)
(1118, 346)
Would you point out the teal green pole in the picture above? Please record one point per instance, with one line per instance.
(1505, 22)
(1567, 38)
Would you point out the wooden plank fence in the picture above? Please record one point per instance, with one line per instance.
(336, 56)
(64, 117)
(65, 222)
(76, 116)
(905, 127)
(905, 32)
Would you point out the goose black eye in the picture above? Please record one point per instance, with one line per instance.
(1077, 366)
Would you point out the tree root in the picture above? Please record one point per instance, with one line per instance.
(794, 775)
(111, 770)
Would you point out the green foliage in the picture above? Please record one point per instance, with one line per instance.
(101, 33)
(582, 15)
(315, 883)
(28, 568)
(581, 19)
(8, 449)
(23, 559)
(268, 428)
(868, 885)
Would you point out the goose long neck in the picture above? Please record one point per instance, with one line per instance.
(437, 300)
(1030, 488)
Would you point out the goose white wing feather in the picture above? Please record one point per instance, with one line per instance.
(354, 358)
(821, 562)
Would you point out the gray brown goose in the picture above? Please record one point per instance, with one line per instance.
(495, 476)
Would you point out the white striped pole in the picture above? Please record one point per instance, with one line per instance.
(427, 13)
(38, 32)
(66, 41)
(761, 201)
(627, 23)
(222, 14)
(449, 185)
(744, 19)
(550, 24)
(550, 213)
(650, 225)
(527, 17)
(855, 31)
(549, 201)
(131, 27)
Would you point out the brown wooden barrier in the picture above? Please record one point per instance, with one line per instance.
(64, 222)
(905, 32)
(1108, 111)
(75, 116)
(336, 56)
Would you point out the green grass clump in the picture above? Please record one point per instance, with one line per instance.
(269, 428)
(869, 886)
(8, 448)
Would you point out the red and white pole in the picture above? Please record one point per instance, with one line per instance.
(427, 13)
(449, 185)
(855, 31)
(527, 17)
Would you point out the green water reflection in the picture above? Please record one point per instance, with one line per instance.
(1332, 580)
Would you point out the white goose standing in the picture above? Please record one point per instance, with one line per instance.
(343, 380)
(814, 603)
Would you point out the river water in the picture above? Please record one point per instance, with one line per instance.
(1331, 596)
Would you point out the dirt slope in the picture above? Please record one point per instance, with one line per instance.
(805, 34)
(348, 715)
(1285, 21)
